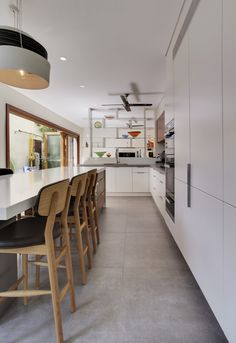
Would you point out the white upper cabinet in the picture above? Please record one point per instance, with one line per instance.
(181, 106)
(169, 98)
(229, 272)
(229, 99)
(205, 50)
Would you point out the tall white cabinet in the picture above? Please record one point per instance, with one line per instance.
(229, 100)
(181, 106)
(205, 137)
(205, 43)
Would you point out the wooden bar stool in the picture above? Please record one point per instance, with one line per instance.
(36, 235)
(92, 208)
(78, 216)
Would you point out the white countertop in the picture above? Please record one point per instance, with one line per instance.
(18, 192)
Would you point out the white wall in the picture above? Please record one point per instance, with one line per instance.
(10, 96)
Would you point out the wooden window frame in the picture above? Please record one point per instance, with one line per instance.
(21, 113)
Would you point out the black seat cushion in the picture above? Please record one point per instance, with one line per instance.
(26, 232)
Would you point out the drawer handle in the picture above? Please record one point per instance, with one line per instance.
(140, 172)
(161, 181)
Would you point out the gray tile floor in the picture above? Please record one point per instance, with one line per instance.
(140, 289)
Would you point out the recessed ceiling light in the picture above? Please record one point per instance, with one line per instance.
(82, 86)
(63, 58)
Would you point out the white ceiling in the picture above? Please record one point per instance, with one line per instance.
(108, 43)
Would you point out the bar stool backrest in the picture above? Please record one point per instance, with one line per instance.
(5, 171)
(92, 177)
(46, 194)
(78, 184)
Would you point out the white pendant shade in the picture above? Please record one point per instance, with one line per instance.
(23, 67)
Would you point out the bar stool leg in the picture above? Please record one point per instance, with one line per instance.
(25, 273)
(37, 267)
(81, 251)
(92, 225)
(96, 224)
(69, 270)
(55, 292)
(86, 229)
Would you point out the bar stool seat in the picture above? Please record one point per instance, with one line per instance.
(25, 232)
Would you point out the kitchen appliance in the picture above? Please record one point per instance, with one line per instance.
(170, 168)
(129, 153)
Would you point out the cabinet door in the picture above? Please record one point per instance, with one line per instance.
(229, 272)
(140, 181)
(169, 98)
(200, 238)
(205, 50)
(110, 180)
(181, 106)
(229, 100)
(123, 179)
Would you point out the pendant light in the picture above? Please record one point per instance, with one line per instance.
(23, 61)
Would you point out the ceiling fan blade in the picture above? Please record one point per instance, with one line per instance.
(125, 102)
(135, 90)
(140, 105)
(112, 105)
(140, 93)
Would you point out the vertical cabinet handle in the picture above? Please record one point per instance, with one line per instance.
(189, 185)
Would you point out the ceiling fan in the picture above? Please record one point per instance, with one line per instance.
(135, 91)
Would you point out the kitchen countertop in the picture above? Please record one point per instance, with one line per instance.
(115, 165)
(158, 168)
(153, 166)
(19, 191)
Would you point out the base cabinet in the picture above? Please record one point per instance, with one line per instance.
(128, 180)
(200, 236)
(229, 297)
(157, 189)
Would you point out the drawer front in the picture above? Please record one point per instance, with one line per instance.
(140, 169)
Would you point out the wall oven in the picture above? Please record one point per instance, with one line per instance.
(170, 169)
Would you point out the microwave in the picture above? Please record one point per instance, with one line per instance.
(133, 153)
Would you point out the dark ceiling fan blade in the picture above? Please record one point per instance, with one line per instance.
(135, 90)
(125, 102)
(140, 93)
(140, 105)
(112, 105)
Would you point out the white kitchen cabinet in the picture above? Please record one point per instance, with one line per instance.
(169, 96)
(229, 298)
(200, 238)
(140, 180)
(110, 179)
(229, 100)
(205, 51)
(157, 189)
(124, 179)
(181, 106)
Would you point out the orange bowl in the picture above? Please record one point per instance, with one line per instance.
(134, 133)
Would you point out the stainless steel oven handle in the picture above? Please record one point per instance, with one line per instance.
(189, 185)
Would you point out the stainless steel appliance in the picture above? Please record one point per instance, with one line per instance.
(129, 153)
(170, 168)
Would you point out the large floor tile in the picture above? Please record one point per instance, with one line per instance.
(140, 290)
